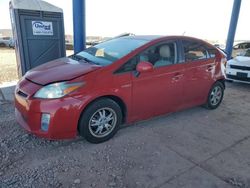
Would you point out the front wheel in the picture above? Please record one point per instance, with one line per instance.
(215, 96)
(100, 121)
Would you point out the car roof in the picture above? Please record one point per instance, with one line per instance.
(245, 42)
(143, 37)
(158, 37)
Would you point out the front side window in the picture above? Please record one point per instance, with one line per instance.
(108, 52)
(159, 55)
(194, 51)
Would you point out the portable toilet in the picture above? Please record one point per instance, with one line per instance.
(38, 31)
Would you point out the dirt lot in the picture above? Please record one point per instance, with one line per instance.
(192, 148)
(8, 66)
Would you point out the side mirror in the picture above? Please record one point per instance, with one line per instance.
(144, 66)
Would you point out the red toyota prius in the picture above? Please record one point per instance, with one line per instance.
(122, 80)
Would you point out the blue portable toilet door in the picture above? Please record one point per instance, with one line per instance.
(43, 38)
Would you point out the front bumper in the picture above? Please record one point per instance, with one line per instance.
(237, 75)
(64, 115)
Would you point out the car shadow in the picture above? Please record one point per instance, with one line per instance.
(238, 85)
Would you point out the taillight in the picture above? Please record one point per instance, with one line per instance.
(223, 64)
(224, 61)
(221, 56)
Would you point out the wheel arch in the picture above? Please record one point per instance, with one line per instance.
(223, 82)
(115, 98)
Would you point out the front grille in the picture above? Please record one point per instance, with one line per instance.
(239, 67)
(22, 94)
(238, 78)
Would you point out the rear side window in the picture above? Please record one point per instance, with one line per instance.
(211, 52)
(194, 51)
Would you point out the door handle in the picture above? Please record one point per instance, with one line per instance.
(177, 76)
(209, 68)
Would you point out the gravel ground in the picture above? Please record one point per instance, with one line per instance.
(192, 148)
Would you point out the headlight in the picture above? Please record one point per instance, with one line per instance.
(57, 90)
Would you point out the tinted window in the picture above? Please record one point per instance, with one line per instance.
(194, 51)
(107, 52)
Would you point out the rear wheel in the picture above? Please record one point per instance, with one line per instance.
(215, 96)
(229, 81)
(100, 121)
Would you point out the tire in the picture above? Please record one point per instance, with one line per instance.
(215, 96)
(100, 121)
(230, 81)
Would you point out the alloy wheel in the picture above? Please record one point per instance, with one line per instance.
(102, 122)
(216, 95)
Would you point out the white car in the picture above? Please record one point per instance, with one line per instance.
(4, 41)
(240, 48)
(238, 68)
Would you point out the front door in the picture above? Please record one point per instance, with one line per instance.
(160, 91)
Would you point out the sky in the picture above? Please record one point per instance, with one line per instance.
(206, 19)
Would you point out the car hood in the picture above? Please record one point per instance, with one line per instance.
(62, 69)
(240, 60)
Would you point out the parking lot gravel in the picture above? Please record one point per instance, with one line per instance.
(192, 148)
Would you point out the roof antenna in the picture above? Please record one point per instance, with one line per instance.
(184, 33)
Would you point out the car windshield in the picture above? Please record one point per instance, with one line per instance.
(247, 53)
(108, 52)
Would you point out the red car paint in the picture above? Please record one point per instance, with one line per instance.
(160, 91)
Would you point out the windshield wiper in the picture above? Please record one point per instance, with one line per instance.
(76, 57)
(80, 58)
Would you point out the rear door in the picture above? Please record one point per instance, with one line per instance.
(160, 91)
(199, 64)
